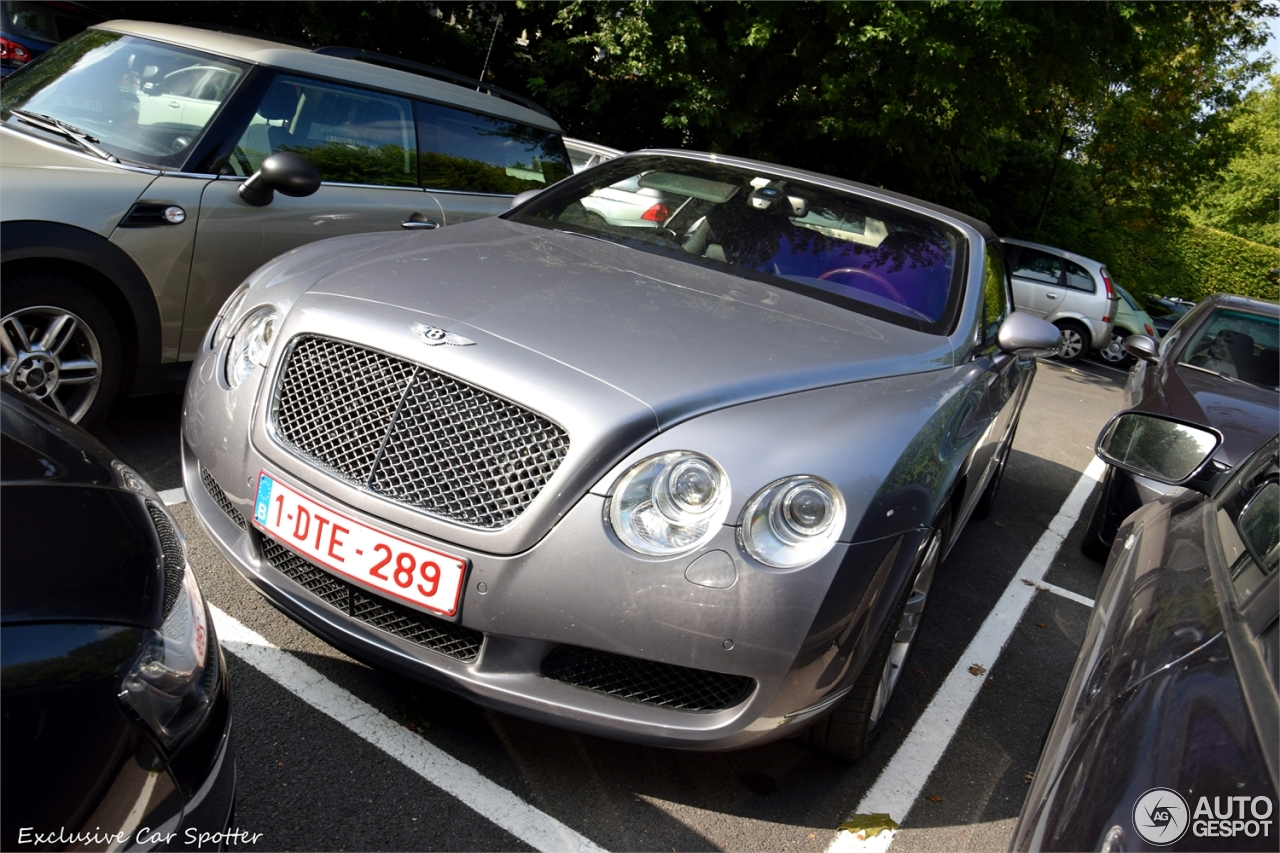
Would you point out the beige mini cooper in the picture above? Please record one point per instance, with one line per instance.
(131, 209)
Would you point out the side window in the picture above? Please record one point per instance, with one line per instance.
(354, 136)
(1078, 278)
(473, 153)
(995, 294)
(1038, 267)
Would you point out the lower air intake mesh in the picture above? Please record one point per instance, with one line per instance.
(447, 638)
(172, 554)
(662, 684)
(220, 498)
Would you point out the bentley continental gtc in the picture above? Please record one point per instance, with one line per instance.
(684, 485)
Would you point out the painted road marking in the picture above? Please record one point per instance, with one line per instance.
(492, 802)
(900, 783)
(1066, 593)
(173, 497)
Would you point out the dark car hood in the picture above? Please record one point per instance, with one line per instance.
(1245, 414)
(677, 336)
(74, 546)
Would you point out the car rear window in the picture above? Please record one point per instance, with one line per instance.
(862, 253)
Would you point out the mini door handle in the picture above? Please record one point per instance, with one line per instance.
(420, 224)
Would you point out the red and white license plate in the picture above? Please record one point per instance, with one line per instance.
(358, 552)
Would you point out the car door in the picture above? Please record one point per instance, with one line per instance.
(1037, 282)
(363, 142)
(1005, 378)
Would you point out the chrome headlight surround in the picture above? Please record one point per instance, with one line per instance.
(669, 504)
(251, 344)
(220, 329)
(792, 522)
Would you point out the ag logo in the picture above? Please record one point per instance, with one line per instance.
(1160, 816)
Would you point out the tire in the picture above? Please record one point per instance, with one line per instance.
(1076, 341)
(849, 730)
(1114, 353)
(60, 346)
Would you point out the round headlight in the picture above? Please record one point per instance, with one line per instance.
(792, 522)
(251, 344)
(669, 504)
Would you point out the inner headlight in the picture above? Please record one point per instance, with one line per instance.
(251, 344)
(171, 682)
(792, 522)
(669, 504)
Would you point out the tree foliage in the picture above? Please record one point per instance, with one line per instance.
(961, 103)
(1243, 200)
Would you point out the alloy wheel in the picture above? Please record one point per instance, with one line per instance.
(52, 355)
(1072, 343)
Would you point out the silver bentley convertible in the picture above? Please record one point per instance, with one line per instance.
(684, 484)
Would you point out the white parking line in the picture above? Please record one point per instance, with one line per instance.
(1066, 593)
(173, 497)
(900, 783)
(492, 802)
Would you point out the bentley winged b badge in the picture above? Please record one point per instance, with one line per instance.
(431, 336)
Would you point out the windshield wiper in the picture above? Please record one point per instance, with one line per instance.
(67, 131)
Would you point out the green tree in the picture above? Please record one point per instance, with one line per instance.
(1243, 199)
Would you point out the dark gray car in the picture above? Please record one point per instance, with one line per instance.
(684, 484)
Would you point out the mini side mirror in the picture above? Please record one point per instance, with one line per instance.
(1162, 449)
(1142, 347)
(1026, 335)
(521, 198)
(290, 173)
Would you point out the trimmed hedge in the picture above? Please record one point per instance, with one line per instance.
(1193, 263)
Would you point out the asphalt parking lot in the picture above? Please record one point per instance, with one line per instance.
(335, 755)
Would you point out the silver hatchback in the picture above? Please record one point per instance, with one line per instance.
(1071, 291)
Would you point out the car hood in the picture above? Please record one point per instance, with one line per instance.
(678, 337)
(45, 181)
(1245, 414)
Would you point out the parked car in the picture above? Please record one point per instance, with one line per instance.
(685, 487)
(1168, 734)
(117, 707)
(1167, 310)
(1130, 319)
(585, 154)
(138, 169)
(1071, 291)
(1220, 367)
(30, 27)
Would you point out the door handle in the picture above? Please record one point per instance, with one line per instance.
(1051, 295)
(420, 224)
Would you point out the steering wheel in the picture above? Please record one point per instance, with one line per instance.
(878, 282)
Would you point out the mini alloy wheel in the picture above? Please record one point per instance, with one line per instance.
(52, 355)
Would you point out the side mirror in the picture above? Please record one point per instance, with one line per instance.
(1162, 449)
(290, 173)
(521, 198)
(1027, 335)
(1142, 347)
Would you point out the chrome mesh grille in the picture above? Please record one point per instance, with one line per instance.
(414, 435)
(220, 498)
(447, 638)
(172, 553)
(649, 682)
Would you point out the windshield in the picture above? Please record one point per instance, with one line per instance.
(142, 101)
(1237, 344)
(837, 246)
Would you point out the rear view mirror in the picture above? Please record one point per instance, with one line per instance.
(1159, 448)
(288, 172)
(1141, 347)
(1028, 335)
